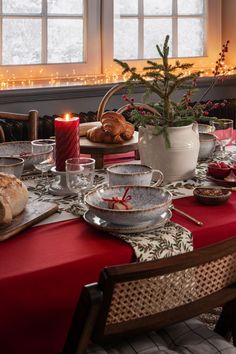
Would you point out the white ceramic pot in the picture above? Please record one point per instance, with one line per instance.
(177, 162)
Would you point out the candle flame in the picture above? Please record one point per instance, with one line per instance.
(67, 117)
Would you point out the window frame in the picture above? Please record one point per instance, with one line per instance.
(99, 56)
(92, 53)
(212, 39)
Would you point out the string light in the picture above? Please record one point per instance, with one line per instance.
(110, 76)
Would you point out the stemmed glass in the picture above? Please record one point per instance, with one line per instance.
(80, 176)
(223, 132)
(45, 155)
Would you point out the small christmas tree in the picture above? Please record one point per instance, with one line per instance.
(163, 79)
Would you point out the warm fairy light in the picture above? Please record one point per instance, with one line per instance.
(67, 117)
(111, 75)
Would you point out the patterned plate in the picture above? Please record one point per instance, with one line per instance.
(101, 224)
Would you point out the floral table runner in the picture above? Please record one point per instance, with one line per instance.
(166, 241)
(171, 239)
(38, 188)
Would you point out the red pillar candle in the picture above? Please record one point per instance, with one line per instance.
(67, 140)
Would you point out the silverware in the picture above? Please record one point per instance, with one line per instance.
(198, 222)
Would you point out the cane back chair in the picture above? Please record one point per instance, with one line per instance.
(139, 297)
(30, 119)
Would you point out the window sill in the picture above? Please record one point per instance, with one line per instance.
(77, 92)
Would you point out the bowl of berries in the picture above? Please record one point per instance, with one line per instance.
(218, 170)
(222, 174)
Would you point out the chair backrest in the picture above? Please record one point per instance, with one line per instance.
(31, 118)
(130, 299)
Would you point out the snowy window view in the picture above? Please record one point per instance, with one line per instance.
(25, 41)
(57, 31)
(141, 24)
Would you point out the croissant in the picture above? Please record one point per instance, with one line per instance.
(129, 132)
(113, 123)
(98, 135)
(114, 130)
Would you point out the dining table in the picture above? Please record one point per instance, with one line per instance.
(43, 268)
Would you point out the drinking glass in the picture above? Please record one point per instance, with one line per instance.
(80, 176)
(45, 156)
(223, 132)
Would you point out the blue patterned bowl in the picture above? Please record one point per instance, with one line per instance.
(147, 203)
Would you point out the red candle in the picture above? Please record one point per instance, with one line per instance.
(67, 140)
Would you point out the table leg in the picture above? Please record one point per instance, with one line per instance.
(98, 160)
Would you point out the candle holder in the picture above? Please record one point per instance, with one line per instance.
(59, 185)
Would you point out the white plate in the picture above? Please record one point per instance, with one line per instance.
(101, 224)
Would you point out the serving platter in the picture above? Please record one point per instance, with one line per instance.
(34, 212)
(103, 225)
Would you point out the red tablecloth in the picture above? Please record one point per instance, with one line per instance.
(43, 269)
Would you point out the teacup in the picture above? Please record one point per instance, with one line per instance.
(133, 174)
(207, 145)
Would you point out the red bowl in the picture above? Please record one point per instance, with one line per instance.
(217, 171)
(234, 169)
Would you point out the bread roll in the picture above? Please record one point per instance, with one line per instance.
(114, 129)
(13, 197)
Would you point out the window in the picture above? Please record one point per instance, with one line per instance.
(147, 22)
(194, 27)
(49, 38)
(51, 32)
(67, 38)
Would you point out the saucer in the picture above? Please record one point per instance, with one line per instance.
(221, 182)
(233, 157)
(101, 224)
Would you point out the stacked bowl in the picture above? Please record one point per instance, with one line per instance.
(135, 204)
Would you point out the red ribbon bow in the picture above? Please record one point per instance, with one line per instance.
(122, 200)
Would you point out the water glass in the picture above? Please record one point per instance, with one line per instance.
(80, 176)
(45, 156)
(223, 132)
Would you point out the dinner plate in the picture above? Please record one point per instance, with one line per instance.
(221, 182)
(101, 224)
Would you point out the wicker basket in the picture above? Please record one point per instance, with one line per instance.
(122, 109)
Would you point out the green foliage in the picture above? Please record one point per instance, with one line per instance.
(162, 79)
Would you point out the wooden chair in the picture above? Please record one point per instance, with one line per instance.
(31, 118)
(159, 295)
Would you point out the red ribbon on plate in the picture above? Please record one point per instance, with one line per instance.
(122, 200)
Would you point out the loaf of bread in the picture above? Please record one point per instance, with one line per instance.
(13, 197)
(114, 129)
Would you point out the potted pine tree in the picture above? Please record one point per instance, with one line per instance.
(168, 139)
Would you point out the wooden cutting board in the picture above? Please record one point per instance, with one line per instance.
(34, 212)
